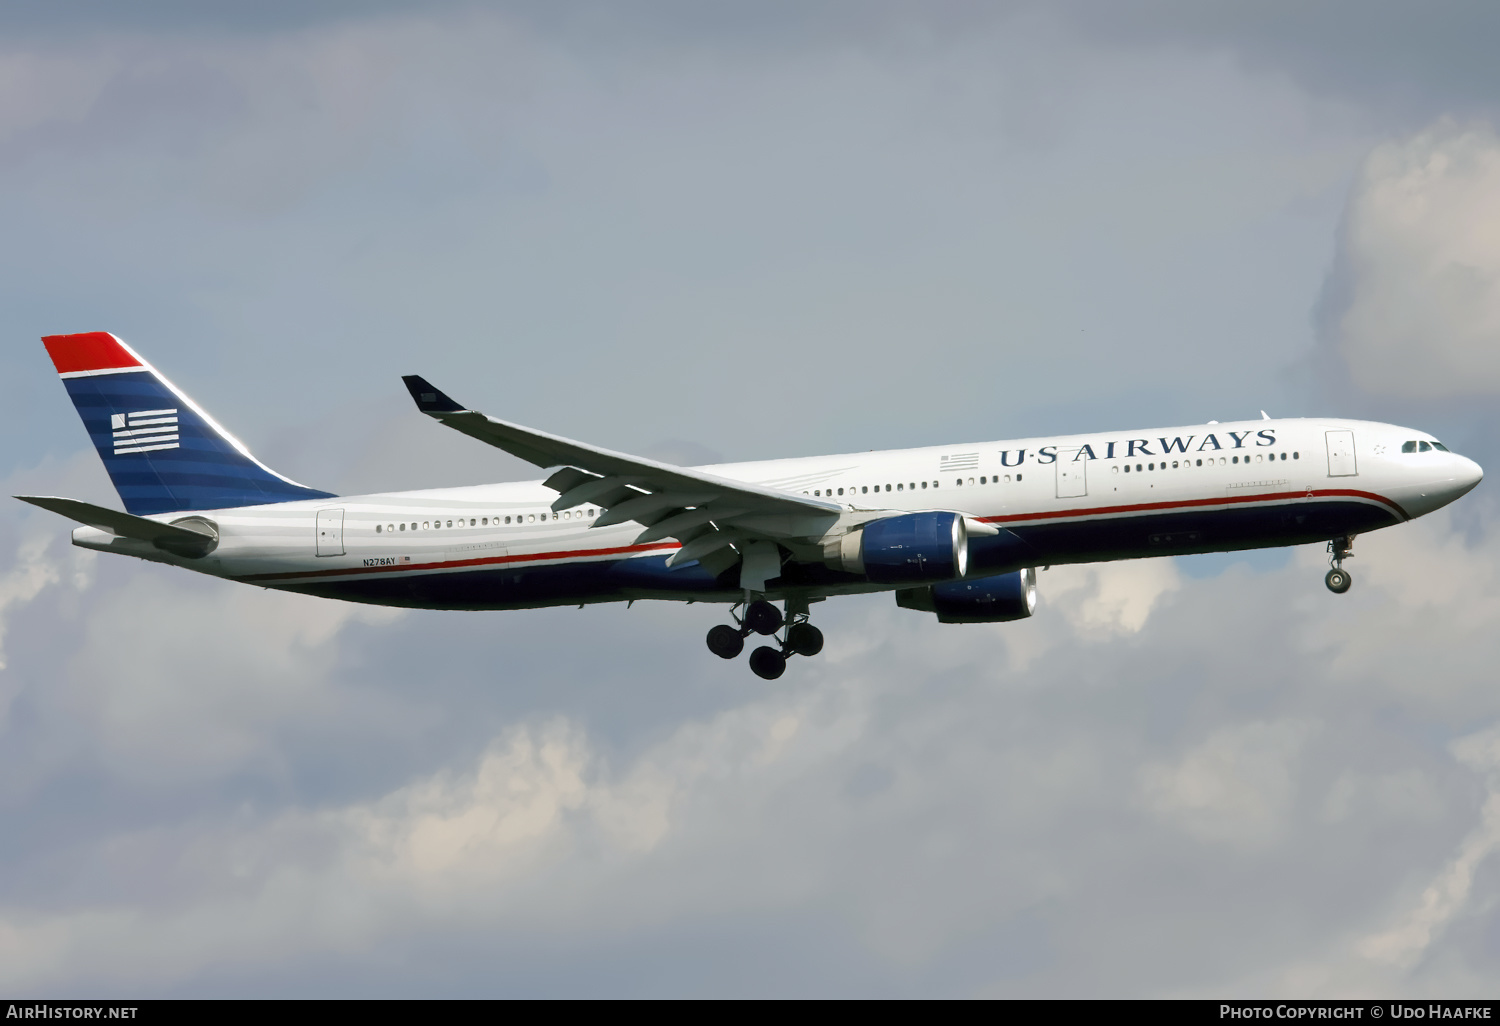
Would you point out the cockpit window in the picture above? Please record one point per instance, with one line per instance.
(1408, 446)
(1424, 447)
(1440, 447)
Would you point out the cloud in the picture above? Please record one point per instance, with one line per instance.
(1420, 259)
(1236, 787)
(31, 572)
(1448, 896)
(899, 234)
(989, 808)
(1115, 598)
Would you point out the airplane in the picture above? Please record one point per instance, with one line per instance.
(956, 531)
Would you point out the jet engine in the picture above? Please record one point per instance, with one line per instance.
(911, 548)
(995, 599)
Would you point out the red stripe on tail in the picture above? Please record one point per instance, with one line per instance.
(90, 351)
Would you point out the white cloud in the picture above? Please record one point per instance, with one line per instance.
(212, 784)
(1236, 787)
(1110, 599)
(1421, 253)
(31, 572)
(916, 786)
(1448, 896)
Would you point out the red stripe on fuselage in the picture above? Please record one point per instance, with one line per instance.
(453, 564)
(90, 351)
(1228, 500)
(666, 546)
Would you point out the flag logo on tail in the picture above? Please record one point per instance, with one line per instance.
(144, 431)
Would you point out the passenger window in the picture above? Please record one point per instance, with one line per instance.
(864, 490)
(1283, 457)
(924, 484)
(841, 491)
(450, 523)
(887, 487)
(591, 513)
(913, 486)
(531, 518)
(403, 527)
(898, 487)
(1151, 466)
(1424, 447)
(424, 525)
(377, 528)
(1258, 457)
(1199, 463)
(567, 514)
(1114, 470)
(934, 484)
(471, 521)
(1127, 468)
(959, 482)
(1018, 477)
(1296, 455)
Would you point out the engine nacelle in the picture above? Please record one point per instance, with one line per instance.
(912, 548)
(995, 599)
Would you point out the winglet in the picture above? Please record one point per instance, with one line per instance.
(428, 398)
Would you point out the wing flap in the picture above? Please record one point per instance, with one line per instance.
(707, 513)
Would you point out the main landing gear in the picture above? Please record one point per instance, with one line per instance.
(1340, 549)
(761, 617)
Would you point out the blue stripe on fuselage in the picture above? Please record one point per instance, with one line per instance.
(517, 586)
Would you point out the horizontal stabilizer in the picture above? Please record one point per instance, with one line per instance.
(180, 541)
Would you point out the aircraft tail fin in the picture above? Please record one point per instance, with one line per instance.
(162, 451)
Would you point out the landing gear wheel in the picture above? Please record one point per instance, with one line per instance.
(725, 642)
(1338, 581)
(767, 663)
(804, 639)
(763, 618)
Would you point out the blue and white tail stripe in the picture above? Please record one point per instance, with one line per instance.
(163, 452)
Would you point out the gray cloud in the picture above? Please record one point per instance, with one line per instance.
(1421, 261)
(1397, 59)
(754, 231)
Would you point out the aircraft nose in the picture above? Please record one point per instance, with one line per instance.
(1469, 474)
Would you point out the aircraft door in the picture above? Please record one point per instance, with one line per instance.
(1341, 454)
(1072, 474)
(330, 532)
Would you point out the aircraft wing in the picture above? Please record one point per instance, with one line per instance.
(167, 537)
(708, 514)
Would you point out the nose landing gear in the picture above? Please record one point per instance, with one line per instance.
(761, 617)
(1338, 579)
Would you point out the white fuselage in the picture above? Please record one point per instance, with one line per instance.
(1077, 498)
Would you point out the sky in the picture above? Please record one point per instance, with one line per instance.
(723, 231)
